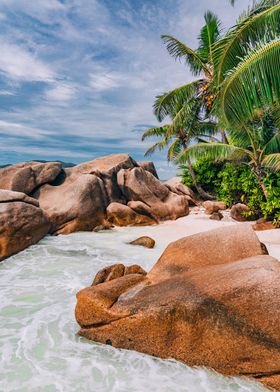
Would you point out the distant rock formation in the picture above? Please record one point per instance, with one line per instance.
(112, 189)
(212, 299)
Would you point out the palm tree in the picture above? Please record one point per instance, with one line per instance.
(238, 73)
(247, 61)
(258, 145)
(178, 138)
(201, 64)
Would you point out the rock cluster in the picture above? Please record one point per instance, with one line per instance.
(212, 299)
(110, 190)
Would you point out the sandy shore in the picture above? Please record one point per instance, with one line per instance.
(198, 222)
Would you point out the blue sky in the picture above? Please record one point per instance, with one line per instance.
(78, 77)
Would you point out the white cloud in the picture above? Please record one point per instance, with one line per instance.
(93, 47)
(61, 92)
(44, 152)
(104, 81)
(6, 92)
(17, 129)
(19, 64)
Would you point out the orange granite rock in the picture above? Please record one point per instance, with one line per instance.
(212, 299)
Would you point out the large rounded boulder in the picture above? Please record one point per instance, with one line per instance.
(139, 185)
(78, 199)
(22, 222)
(28, 176)
(122, 215)
(211, 300)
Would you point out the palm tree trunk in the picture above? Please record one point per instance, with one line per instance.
(199, 189)
(224, 136)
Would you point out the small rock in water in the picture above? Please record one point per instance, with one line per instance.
(216, 216)
(148, 242)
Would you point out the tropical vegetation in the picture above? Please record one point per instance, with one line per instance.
(235, 95)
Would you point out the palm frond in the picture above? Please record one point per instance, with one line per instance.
(211, 151)
(273, 146)
(272, 161)
(239, 137)
(188, 112)
(155, 132)
(209, 34)
(174, 149)
(253, 84)
(178, 50)
(262, 21)
(168, 103)
(157, 146)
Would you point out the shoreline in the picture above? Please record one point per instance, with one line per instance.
(197, 222)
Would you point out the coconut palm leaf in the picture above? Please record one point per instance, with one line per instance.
(155, 132)
(209, 34)
(263, 20)
(157, 146)
(273, 145)
(241, 138)
(253, 84)
(186, 118)
(168, 103)
(178, 50)
(272, 161)
(174, 149)
(212, 151)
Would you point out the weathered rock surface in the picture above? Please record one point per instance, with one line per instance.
(261, 224)
(213, 206)
(238, 212)
(122, 215)
(148, 166)
(175, 186)
(212, 299)
(216, 216)
(145, 241)
(109, 190)
(26, 177)
(139, 185)
(9, 196)
(116, 271)
(22, 223)
(85, 196)
(143, 209)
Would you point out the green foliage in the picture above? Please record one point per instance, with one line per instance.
(235, 183)
(206, 174)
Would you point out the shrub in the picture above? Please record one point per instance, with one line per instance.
(236, 183)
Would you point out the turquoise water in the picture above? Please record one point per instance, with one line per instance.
(39, 346)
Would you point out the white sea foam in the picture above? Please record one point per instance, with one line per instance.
(39, 347)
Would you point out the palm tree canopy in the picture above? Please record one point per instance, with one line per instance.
(247, 63)
(259, 142)
(201, 59)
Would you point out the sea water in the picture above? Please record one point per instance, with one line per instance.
(40, 350)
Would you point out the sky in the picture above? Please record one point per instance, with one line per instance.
(78, 78)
